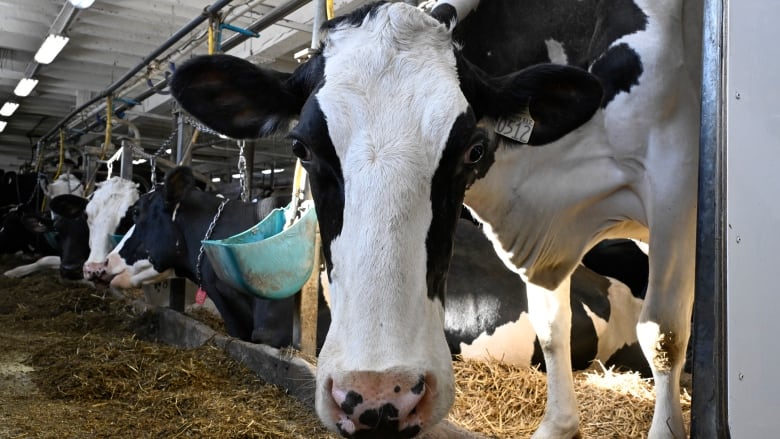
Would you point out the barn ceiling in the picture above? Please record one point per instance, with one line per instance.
(110, 39)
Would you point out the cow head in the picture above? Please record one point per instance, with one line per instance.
(154, 247)
(388, 115)
(106, 213)
(70, 224)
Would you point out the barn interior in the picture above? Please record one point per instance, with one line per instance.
(125, 51)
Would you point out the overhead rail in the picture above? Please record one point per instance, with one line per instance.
(186, 29)
(266, 21)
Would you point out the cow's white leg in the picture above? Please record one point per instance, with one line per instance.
(664, 324)
(550, 314)
(45, 262)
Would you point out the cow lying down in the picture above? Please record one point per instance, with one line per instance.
(486, 312)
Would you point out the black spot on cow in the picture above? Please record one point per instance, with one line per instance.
(618, 70)
(419, 387)
(352, 400)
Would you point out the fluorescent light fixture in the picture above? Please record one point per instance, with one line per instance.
(50, 48)
(81, 4)
(268, 171)
(216, 180)
(8, 108)
(139, 161)
(25, 86)
(2, 125)
(236, 175)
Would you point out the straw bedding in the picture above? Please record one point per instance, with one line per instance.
(76, 364)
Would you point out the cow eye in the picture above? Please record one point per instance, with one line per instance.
(474, 153)
(301, 150)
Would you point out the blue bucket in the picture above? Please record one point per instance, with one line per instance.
(115, 239)
(267, 260)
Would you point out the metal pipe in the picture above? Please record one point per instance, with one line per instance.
(709, 408)
(278, 13)
(186, 29)
(126, 171)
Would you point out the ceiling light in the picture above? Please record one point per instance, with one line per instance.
(25, 86)
(81, 4)
(50, 48)
(8, 108)
(275, 171)
(216, 180)
(236, 175)
(2, 125)
(139, 161)
(168, 151)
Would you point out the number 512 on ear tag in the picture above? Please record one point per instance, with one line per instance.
(518, 127)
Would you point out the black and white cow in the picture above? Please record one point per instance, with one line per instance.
(486, 313)
(60, 237)
(402, 118)
(108, 213)
(169, 224)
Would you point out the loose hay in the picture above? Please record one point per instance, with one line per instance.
(81, 371)
(505, 401)
(97, 373)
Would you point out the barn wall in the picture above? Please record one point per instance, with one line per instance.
(752, 104)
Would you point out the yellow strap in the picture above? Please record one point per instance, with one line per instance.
(212, 42)
(329, 9)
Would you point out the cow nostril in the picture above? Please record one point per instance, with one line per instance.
(389, 404)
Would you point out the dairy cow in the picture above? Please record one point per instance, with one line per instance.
(59, 236)
(108, 213)
(557, 123)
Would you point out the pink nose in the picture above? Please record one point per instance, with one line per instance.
(390, 404)
(94, 270)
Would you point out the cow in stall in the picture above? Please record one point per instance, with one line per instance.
(482, 320)
(109, 212)
(59, 237)
(557, 123)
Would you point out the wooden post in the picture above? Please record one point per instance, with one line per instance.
(306, 302)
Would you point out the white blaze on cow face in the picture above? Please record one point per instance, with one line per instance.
(383, 319)
(104, 212)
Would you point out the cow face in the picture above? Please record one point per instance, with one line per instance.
(109, 205)
(70, 224)
(388, 130)
(153, 248)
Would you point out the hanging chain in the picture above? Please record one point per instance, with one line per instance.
(206, 237)
(203, 128)
(242, 170)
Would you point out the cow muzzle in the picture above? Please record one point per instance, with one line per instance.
(396, 403)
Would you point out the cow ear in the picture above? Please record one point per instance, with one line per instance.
(68, 205)
(239, 99)
(179, 182)
(559, 98)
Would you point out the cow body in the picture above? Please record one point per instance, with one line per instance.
(60, 237)
(486, 313)
(397, 118)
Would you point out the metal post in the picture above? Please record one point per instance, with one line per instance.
(126, 171)
(177, 294)
(249, 155)
(179, 138)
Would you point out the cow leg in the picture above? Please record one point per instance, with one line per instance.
(550, 315)
(665, 322)
(43, 263)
